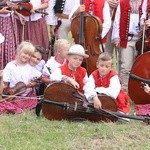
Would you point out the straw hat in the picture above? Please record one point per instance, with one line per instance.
(77, 49)
(2, 38)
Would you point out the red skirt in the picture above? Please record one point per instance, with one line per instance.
(18, 105)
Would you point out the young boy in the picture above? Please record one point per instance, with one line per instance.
(72, 72)
(105, 81)
(61, 48)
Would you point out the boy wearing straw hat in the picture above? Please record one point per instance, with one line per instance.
(72, 72)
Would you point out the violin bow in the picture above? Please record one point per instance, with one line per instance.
(120, 115)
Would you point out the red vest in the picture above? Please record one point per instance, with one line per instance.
(97, 8)
(78, 75)
(125, 10)
(122, 100)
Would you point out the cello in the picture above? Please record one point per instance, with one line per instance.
(63, 101)
(86, 30)
(140, 72)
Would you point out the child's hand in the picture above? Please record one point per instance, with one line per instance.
(81, 8)
(73, 82)
(146, 88)
(97, 103)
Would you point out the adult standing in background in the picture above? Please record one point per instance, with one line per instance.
(109, 47)
(126, 32)
(33, 27)
(59, 10)
(8, 29)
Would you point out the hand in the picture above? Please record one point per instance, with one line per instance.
(52, 30)
(147, 23)
(4, 10)
(97, 103)
(113, 3)
(81, 8)
(146, 88)
(72, 82)
(117, 44)
(21, 18)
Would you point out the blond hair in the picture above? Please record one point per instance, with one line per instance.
(25, 47)
(59, 44)
(105, 56)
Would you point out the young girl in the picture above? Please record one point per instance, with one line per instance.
(105, 81)
(16, 71)
(61, 48)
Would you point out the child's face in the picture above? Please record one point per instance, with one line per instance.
(63, 51)
(24, 57)
(104, 67)
(35, 58)
(74, 61)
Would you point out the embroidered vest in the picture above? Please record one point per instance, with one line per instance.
(78, 75)
(125, 10)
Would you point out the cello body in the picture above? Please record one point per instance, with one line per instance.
(60, 92)
(140, 68)
(92, 31)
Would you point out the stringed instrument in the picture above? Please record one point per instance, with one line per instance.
(12, 4)
(140, 72)
(62, 101)
(58, 95)
(86, 30)
(25, 9)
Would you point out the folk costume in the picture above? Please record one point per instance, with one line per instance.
(101, 10)
(65, 7)
(109, 85)
(80, 75)
(35, 28)
(51, 65)
(8, 28)
(126, 30)
(14, 74)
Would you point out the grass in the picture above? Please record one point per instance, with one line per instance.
(27, 132)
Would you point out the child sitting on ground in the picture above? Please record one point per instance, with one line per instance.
(105, 81)
(61, 48)
(20, 71)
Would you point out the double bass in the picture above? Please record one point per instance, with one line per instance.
(86, 30)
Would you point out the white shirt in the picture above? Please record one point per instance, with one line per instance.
(52, 64)
(51, 18)
(112, 90)
(14, 74)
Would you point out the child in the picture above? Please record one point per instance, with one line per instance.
(61, 48)
(36, 59)
(126, 32)
(19, 70)
(72, 72)
(37, 62)
(105, 81)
